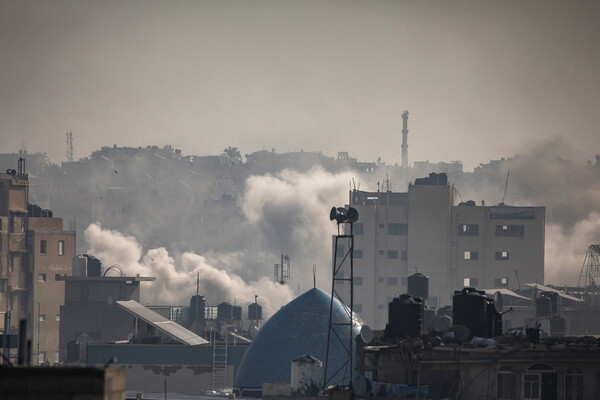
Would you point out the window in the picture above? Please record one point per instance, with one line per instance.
(404, 255)
(531, 386)
(56, 356)
(358, 280)
(502, 255)
(42, 278)
(42, 357)
(471, 255)
(501, 282)
(510, 230)
(357, 308)
(58, 317)
(381, 252)
(468, 230)
(42, 317)
(506, 384)
(358, 228)
(3, 284)
(392, 254)
(382, 225)
(470, 282)
(61, 247)
(43, 248)
(380, 280)
(398, 229)
(358, 254)
(574, 384)
(380, 306)
(392, 281)
(540, 382)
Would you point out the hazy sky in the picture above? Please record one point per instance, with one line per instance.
(479, 78)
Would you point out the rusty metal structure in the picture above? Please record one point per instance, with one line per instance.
(590, 270)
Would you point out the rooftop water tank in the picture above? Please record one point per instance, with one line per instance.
(405, 317)
(418, 285)
(470, 310)
(254, 312)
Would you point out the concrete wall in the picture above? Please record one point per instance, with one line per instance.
(184, 379)
(62, 383)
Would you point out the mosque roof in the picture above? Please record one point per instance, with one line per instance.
(298, 329)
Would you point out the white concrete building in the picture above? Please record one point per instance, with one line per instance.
(456, 246)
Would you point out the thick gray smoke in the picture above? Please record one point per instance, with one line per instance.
(176, 277)
(553, 175)
(291, 210)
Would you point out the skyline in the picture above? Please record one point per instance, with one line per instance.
(481, 81)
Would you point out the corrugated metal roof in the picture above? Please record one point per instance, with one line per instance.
(549, 289)
(171, 328)
(505, 292)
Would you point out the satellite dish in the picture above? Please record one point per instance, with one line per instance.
(461, 333)
(498, 302)
(360, 385)
(352, 214)
(366, 334)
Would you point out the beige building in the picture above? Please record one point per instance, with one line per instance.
(34, 250)
(456, 245)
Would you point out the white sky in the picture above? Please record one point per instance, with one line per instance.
(481, 79)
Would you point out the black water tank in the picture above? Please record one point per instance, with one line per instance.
(73, 351)
(543, 306)
(470, 310)
(418, 285)
(224, 311)
(443, 179)
(558, 325)
(254, 312)
(197, 308)
(533, 335)
(405, 316)
(236, 313)
(434, 178)
(94, 266)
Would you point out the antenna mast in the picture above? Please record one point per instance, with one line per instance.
(505, 186)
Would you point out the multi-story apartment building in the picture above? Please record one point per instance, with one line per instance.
(456, 245)
(34, 250)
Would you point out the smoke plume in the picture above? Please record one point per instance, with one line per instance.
(291, 212)
(176, 277)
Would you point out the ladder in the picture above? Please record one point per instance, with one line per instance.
(219, 363)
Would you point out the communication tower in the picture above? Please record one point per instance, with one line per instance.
(342, 288)
(69, 146)
(282, 270)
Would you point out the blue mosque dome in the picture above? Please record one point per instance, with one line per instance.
(298, 329)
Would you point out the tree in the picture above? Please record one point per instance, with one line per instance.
(233, 154)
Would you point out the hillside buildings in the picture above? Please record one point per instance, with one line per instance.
(34, 250)
(456, 245)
